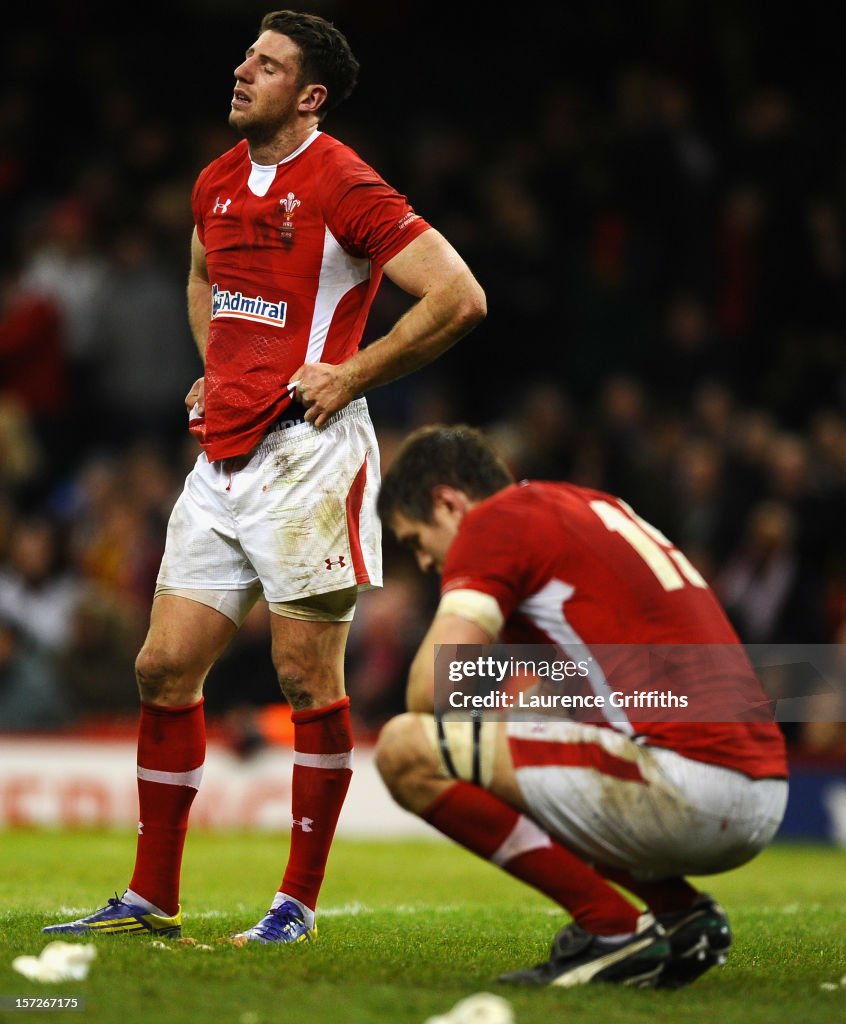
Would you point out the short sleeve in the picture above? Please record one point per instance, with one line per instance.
(490, 554)
(197, 206)
(366, 215)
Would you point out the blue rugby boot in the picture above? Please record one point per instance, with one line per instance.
(120, 916)
(285, 923)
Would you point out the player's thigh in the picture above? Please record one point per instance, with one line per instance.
(406, 748)
(308, 655)
(184, 639)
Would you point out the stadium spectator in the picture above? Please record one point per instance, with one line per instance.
(768, 593)
(21, 457)
(293, 233)
(568, 805)
(32, 351)
(66, 264)
(536, 438)
(138, 374)
(39, 592)
(703, 525)
(99, 650)
(31, 693)
(689, 351)
(631, 464)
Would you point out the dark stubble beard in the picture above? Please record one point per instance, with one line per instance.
(256, 133)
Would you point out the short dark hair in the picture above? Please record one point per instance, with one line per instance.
(326, 57)
(459, 456)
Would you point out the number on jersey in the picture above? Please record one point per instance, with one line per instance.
(669, 565)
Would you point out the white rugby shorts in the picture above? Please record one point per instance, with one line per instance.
(646, 809)
(297, 515)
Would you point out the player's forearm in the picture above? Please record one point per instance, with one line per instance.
(199, 311)
(448, 628)
(432, 325)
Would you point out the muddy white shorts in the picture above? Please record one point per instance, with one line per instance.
(646, 809)
(296, 516)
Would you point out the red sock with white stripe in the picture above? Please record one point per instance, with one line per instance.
(492, 829)
(171, 752)
(323, 745)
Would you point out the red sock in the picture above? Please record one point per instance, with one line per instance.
(489, 827)
(323, 745)
(171, 752)
(668, 896)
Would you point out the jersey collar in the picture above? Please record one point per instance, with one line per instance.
(300, 149)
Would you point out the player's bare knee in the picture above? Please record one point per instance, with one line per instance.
(402, 754)
(296, 691)
(304, 684)
(292, 673)
(161, 680)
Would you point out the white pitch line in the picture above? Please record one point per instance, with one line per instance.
(356, 909)
(346, 910)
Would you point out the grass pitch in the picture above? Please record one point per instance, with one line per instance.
(406, 930)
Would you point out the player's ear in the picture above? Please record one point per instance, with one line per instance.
(450, 499)
(312, 98)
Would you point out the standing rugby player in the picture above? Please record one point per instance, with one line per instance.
(293, 233)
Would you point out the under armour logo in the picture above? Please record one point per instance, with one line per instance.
(220, 207)
(330, 564)
(305, 824)
(140, 828)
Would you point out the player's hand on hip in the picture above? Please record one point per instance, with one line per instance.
(195, 400)
(323, 389)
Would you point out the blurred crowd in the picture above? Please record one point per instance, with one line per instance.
(654, 202)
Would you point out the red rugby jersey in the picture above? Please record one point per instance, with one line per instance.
(294, 254)
(578, 568)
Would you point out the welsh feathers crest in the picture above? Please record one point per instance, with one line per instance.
(289, 204)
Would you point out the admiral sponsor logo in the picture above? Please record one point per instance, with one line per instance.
(244, 307)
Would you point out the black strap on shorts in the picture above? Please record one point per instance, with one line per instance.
(477, 747)
(444, 746)
(446, 754)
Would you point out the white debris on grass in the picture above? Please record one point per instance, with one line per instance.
(481, 1008)
(58, 961)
